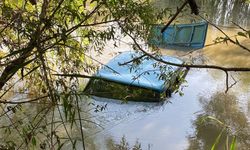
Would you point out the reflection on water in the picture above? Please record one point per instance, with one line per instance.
(173, 124)
(225, 108)
(160, 126)
(221, 12)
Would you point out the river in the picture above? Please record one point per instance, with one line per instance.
(173, 124)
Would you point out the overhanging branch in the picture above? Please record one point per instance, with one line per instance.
(225, 69)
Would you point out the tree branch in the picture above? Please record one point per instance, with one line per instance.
(228, 38)
(225, 69)
(239, 26)
(22, 102)
(175, 15)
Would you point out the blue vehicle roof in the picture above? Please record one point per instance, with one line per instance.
(145, 74)
(180, 36)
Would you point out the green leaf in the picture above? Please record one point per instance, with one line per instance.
(233, 144)
(215, 119)
(242, 34)
(217, 140)
(33, 141)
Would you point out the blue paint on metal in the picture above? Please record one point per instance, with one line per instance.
(180, 36)
(145, 74)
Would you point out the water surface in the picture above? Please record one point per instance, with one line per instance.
(173, 124)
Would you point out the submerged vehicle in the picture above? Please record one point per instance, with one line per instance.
(179, 36)
(136, 77)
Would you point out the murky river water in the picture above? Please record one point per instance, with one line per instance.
(173, 124)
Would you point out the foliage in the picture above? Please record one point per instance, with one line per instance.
(40, 38)
(218, 138)
(123, 145)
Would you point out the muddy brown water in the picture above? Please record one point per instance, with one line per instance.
(174, 123)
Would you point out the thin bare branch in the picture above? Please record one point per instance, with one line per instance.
(231, 40)
(175, 15)
(77, 76)
(81, 126)
(135, 59)
(188, 66)
(22, 102)
(227, 80)
(239, 26)
(233, 84)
